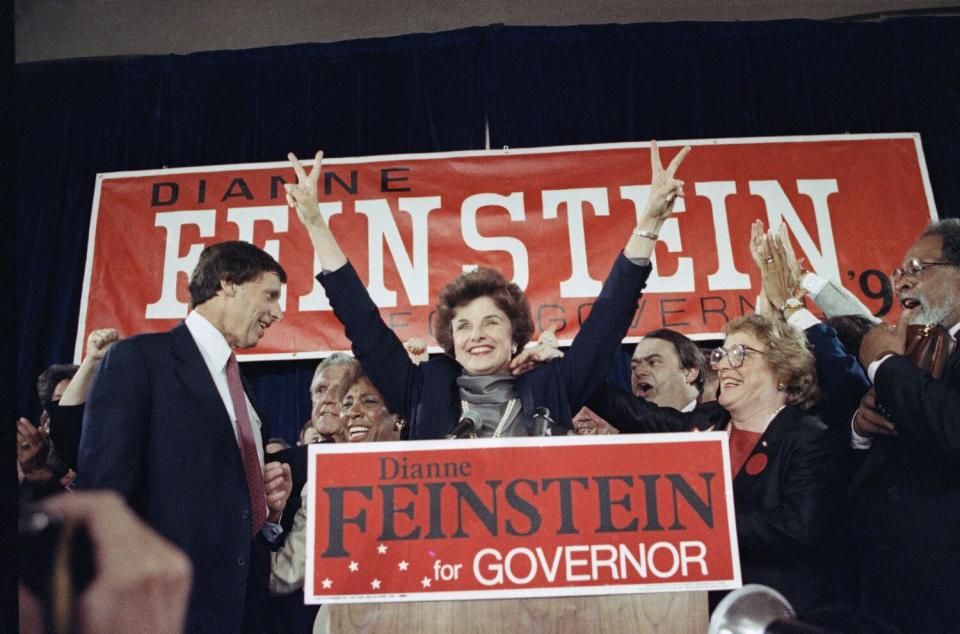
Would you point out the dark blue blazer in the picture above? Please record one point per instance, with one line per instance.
(427, 395)
(156, 431)
(841, 378)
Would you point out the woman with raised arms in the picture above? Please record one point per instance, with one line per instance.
(484, 322)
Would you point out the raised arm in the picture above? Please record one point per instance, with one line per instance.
(664, 191)
(303, 197)
(842, 380)
(377, 347)
(589, 356)
(98, 342)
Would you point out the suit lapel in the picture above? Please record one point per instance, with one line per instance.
(196, 378)
(876, 456)
(952, 366)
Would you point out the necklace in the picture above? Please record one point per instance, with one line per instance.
(765, 425)
(503, 419)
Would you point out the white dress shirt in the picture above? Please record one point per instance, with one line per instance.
(216, 352)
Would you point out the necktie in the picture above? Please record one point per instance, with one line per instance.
(248, 447)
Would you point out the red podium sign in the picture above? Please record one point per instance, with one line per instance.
(524, 517)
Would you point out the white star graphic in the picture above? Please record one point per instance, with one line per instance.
(403, 565)
(426, 582)
(382, 549)
(327, 583)
(375, 584)
(354, 566)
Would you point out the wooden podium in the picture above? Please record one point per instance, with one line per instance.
(668, 612)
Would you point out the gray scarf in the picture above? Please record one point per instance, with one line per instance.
(488, 397)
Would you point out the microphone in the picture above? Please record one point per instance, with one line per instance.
(468, 427)
(543, 425)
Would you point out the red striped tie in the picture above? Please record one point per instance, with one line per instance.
(248, 447)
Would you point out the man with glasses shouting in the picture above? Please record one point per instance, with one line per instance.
(905, 496)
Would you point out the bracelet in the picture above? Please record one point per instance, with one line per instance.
(637, 231)
(790, 302)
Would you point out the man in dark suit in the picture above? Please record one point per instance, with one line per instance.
(667, 369)
(171, 427)
(905, 497)
(667, 375)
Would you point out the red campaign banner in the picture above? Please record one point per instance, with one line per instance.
(552, 219)
(519, 517)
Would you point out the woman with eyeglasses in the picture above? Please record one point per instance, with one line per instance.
(783, 461)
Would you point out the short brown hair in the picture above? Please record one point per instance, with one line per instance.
(788, 353)
(234, 262)
(483, 282)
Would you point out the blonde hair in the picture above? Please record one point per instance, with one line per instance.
(789, 355)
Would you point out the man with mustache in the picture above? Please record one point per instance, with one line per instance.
(905, 497)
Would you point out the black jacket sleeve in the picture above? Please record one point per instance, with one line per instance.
(633, 415)
(66, 423)
(842, 380)
(377, 347)
(923, 407)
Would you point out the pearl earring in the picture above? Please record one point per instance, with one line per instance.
(780, 387)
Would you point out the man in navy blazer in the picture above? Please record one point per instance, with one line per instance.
(169, 425)
(905, 497)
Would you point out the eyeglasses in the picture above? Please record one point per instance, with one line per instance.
(734, 356)
(915, 266)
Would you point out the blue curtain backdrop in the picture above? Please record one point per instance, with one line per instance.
(418, 93)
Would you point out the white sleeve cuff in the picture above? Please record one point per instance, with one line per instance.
(874, 366)
(856, 440)
(812, 283)
(803, 319)
(271, 532)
